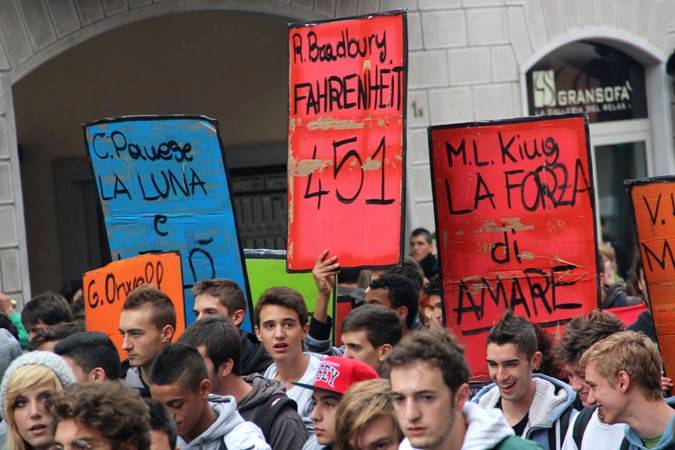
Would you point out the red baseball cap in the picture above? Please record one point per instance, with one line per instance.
(337, 374)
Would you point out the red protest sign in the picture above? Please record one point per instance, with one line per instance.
(653, 202)
(346, 139)
(514, 208)
(106, 289)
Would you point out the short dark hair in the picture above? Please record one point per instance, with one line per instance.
(422, 232)
(434, 286)
(9, 326)
(111, 408)
(179, 364)
(48, 308)
(228, 293)
(55, 333)
(402, 292)
(517, 330)
(582, 332)
(285, 297)
(435, 348)
(411, 270)
(221, 339)
(381, 324)
(161, 421)
(90, 350)
(163, 311)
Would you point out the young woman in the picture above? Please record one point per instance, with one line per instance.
(28, 383)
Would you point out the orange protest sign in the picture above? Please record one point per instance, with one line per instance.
(106, 289)
(653, 202)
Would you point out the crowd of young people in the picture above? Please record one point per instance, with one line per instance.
(397, 379)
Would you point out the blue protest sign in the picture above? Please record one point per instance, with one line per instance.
(163, 186)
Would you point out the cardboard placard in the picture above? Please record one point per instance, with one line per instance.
(515, 220)
(346, 140)
(653, 202)
(106, 289)
(163, 186)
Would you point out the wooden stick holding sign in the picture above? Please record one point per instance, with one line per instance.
(515, 218)
(106, 289)
(346, 140)
(653, 202)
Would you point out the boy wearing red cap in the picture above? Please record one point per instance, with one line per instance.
(334, 377)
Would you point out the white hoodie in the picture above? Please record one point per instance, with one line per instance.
(230, 427)
(486, 427)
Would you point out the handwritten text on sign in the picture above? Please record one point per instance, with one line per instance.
(654, 210)
(346, 139)
(163, 186)
(106, 289)
(514, 209)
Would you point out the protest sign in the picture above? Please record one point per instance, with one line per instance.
(515, 221)
(346, 140)
(106, 289)
(653, 202)
(163, 186)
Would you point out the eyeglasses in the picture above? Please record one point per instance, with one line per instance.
(77, 445)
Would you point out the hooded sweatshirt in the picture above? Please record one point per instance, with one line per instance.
(550, 413)
(9, 349)
(667, 441)
(229, 428)
(486, 429)
(254, 358)
(287, 431)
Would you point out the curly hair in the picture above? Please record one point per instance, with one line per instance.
(111, 408)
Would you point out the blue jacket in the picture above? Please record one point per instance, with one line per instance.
(550, 414)
(667, 442)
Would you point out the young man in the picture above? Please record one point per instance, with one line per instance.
(91, 355)
(587, 431)
(422, 249)
(623, 372)
(147, 324)
(104, 415)
(537, 407)
(179, 379)
(43, 310)
(429, 387)
(222, 297)
(46, 338)
(432, 303)
(334, 377)
(365, 418)
(259, 399)
(281, 325)
(162, 429)
(399, 294)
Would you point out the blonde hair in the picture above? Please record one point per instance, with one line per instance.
(631, 352)
(363, 403)
(25, 377)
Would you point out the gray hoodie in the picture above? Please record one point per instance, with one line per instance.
(229, 428)
(287, 431)
(9, 349)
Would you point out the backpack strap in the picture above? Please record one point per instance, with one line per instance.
(580, 425)
(267, 413)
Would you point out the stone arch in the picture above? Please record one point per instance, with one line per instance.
(32, 33)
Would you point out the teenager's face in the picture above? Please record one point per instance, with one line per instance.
(357, 346)
(141, 339)
(435, 309)
(378, 296)
(323, 415)
(420, 248)
(207, 305)
(425, 407)
(609, 399)
(379, 434)
(34, 424)
(510, 370)
(185, 405)
(216, 383)
(280, 332)
(577, 379)
(72, 434)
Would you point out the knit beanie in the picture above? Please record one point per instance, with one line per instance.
(38, 358)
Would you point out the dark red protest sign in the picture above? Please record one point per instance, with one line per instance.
(346, 140)
(516, 229)
(653, 202)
